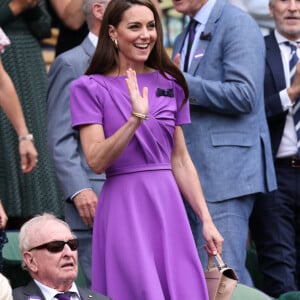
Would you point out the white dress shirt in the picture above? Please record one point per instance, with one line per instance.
(288, 144)
(50, 293)
(201, 17)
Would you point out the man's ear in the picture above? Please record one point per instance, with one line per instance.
(98, 10)
(30, 261)
(271, 10)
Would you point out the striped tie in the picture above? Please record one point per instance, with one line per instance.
(296, 106)
(191, 31)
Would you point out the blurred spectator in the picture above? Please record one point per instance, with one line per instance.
(5, 289)
(228, 138)
(71, 23)
(11, 106)
(81, 186)
(3, 237)
(25, 24)
(276, 216)
(259, 10)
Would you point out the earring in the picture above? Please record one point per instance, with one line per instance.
(116, 43)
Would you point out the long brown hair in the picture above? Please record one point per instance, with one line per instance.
(105, 57)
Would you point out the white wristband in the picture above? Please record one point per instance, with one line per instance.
(26, 137)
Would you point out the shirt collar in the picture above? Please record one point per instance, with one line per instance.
(281, 39)
(204, 12)
(50, 293)
(93, 38)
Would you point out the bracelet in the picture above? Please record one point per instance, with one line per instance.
(140, 116)
(26, 137)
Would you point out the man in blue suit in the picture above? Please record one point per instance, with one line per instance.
(80, 185)
(228, 139)
(275, 223)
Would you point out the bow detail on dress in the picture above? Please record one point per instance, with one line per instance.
(166, 93)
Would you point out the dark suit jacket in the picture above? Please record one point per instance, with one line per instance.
(273, 84)
(30, 290)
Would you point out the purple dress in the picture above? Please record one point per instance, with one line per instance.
(143, 248)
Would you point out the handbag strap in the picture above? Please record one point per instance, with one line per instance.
(218, 258)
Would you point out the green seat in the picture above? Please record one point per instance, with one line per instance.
(80, 280)
(252, 265)
(243, 292)
(290, 296)
(12, 261)
(11, 250)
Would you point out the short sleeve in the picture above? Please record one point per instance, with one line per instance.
(85, 104)
(183, 108)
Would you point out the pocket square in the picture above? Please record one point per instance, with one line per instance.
(166, 93)
(205, 36)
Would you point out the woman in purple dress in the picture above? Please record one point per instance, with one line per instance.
(129, 108)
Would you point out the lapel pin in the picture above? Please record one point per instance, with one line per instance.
(199, 53)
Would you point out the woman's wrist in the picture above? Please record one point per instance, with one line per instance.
(140, 116)
(26, 137)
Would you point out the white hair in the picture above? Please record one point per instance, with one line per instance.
(28, 229)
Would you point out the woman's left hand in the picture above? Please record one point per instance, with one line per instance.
(214, 239)
(28, 156)
(3, 217)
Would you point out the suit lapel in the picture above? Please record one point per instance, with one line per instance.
(86, 294)
(88, 47)
(180, 42)
(209, 30)
(32, 291)
(274, 61)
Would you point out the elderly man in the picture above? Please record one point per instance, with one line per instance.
(49, 252)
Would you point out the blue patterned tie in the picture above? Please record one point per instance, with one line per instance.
(192, 32)
(296, 107)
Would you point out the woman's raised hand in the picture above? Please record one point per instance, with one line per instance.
(139, 102)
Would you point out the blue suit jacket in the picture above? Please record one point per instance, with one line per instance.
(228, 139)
(70, 164)
(27, 292)
(274, 83)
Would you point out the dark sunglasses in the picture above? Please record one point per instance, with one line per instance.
(58, 246)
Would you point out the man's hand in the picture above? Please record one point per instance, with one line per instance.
(18, 6)
(294, 89)
(176, 60)
(3, 217)
(86, 202)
